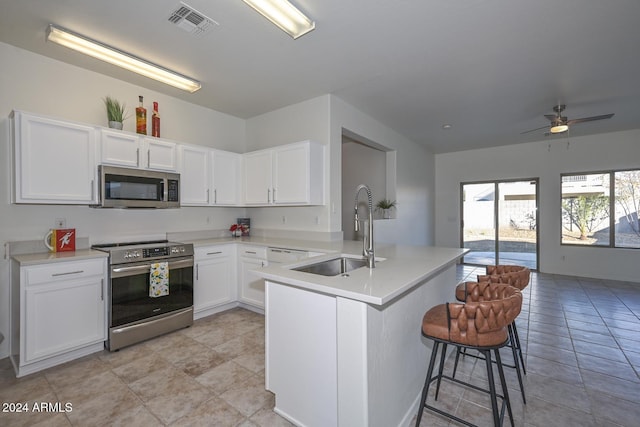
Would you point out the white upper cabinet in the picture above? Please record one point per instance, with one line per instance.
(257, 177)
(291, 174)
(226, 177)
(209, 177)
(195, 172)
(137, 151)
(54, 160)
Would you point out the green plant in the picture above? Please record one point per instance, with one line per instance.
(385, 204)
(116, 112)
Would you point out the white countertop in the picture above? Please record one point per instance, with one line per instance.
(403, 268)
(51, 257)
(272, 242)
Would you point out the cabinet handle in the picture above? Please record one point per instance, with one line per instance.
(215, 195)
(148, 158)
(250, 252)
(207, 196)
(93, 193)
(137, 157)
(197, 271)
(214, 253)
(101, 289)
(274, 195)
(268, 195)
(67, 273)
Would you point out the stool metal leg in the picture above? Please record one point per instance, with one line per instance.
(442, 356)
(427, 382)
(517, 344)
(503, 382)
(516, 362)
(492, 388)
(455, 365)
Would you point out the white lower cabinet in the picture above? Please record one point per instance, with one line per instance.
(215, 279)
(59, 312)
(251, 286)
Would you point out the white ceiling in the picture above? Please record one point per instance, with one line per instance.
(490, 68)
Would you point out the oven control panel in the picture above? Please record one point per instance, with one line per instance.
(155, 252)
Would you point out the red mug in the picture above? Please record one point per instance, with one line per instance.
(61, 240)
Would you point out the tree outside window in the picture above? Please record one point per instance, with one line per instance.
(627, 196)
(596, 213)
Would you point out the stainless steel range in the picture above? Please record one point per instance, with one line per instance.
(150, 290)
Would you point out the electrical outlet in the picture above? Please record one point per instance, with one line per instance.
(61, 222)
(317, 220)
(284, 219)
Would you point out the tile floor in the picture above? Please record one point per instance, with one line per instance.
(582, 351)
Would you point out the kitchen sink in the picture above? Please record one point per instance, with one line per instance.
(333, 267)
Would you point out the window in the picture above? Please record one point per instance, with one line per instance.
(601, 209)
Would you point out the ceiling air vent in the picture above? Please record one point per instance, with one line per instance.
(191, 21)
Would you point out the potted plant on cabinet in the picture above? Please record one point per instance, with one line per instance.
(116, 112)
(385, 205)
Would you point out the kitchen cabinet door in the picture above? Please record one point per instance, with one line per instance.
(63, 317)
(215, 279)
(132, 150)
(195, 169)
(226, 177)
(251, 286)
(54, 160)
(293, 174)
(257, 177)
(161, 154)
(120, 148)
(62, 312)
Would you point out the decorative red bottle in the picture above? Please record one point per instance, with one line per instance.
(141, 118)
(155, 121)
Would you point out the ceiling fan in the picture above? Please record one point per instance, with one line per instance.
(560, 123)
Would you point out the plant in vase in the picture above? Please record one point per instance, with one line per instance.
(385, 205)
(116, 112)
(236, 230)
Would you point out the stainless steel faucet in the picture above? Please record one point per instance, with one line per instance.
(367, 239)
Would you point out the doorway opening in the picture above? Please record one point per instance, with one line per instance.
(500, 222)
(365, 162)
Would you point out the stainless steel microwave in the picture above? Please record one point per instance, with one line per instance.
(134, 188)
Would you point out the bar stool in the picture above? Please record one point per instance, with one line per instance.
(486, 291)
(480, 326)
(517, 276)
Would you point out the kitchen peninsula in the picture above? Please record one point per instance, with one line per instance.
(347, 349)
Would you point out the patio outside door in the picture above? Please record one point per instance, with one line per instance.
(500, 222)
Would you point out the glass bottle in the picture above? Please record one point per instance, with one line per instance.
(155, 121)
(141, 118)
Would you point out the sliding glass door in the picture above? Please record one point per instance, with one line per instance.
(500, 222)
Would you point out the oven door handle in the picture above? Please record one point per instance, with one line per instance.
(146, 268)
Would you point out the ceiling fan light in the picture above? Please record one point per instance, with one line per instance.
(559, 128)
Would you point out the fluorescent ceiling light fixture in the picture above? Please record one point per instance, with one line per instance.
(284, 15)
(559, 128)
(121, 59)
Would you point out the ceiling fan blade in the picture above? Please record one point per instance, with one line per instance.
(589, 119)
(533, 130)
(551, 117)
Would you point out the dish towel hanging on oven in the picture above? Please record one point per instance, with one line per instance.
(159, 279)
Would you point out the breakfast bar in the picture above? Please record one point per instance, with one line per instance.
(347, 349)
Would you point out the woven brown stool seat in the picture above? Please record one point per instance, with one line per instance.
(481, 326)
